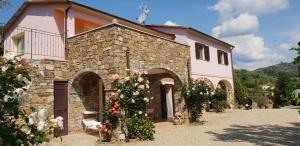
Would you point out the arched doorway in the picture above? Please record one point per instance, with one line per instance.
(86, 99)
(226, 85)
(164, 86)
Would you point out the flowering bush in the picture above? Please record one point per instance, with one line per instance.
(196, 94)
(18, 127)
(128, 107)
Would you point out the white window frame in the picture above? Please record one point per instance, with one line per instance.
(19, 43)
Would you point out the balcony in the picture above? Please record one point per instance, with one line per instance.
(33, 44)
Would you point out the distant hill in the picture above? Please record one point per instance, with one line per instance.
(266, 75)
(273, 70)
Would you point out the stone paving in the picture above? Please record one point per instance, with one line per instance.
(233, 128)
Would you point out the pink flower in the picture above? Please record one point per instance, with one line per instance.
(107, 121)
(115, 77)
(135, 71)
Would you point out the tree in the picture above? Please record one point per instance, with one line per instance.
(283, 91)
(297, 59)
(240, 92)
(4, 4)
(297, 49)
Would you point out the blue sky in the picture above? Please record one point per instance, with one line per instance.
(261, 30)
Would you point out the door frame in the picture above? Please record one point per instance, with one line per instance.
(67, 96)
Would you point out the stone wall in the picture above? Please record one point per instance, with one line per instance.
(41, 90)
(102, 52)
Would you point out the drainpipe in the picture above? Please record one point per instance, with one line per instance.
(188, 65)
(232, 72)
(128, 61)
(66, 28)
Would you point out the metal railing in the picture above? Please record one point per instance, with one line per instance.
(33, 44)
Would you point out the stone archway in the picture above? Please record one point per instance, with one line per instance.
(226, 85)
(86, 99)
(165, 87)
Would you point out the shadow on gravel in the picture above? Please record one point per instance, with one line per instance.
(264, 135)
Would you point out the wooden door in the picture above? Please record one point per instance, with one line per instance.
(61, 103)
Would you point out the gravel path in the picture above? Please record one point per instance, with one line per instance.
(233, 128)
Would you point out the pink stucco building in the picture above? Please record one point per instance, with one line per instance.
(38, 31)
(211, 58)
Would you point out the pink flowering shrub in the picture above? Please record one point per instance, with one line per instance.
(128, 107)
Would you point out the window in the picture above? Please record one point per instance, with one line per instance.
(19, 43)
(202, 52)
(222, 57)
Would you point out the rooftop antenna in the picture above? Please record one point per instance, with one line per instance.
(145, 12)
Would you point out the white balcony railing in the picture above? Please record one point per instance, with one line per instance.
(34, 44)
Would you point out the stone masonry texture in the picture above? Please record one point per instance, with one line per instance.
(100, 53)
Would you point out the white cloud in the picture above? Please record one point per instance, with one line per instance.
(285, 46)
(250, 52)
(293, 34)
(170, 23)
(238, 25)
(251, 48)
(230, 8)
(241, 25)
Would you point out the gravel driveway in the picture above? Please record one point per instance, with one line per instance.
(267, 127)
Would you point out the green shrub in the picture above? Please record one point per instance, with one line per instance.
(261, 101)
(196, 94)
(219, 100)
(140, 127)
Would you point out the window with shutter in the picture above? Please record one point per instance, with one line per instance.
(222, 57)
(219, 56)
(226, 58)
(207, 57)
(202, 52)
(197, 51)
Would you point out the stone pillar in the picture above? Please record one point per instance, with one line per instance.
(169, 101)
(168, 84)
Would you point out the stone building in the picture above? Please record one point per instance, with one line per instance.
(78, 48)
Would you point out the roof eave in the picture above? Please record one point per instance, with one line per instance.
(194, 30)
(227, 44)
